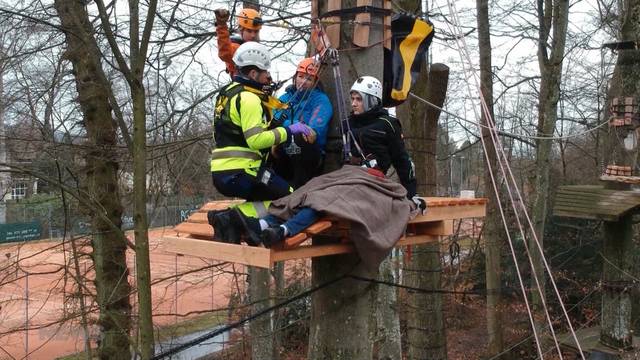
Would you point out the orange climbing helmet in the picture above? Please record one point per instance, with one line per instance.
(308, 66)
(249, 19)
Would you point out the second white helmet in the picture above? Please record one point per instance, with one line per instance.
(368, 85)
(252, 53)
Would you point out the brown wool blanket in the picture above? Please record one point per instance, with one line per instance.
(377, 208)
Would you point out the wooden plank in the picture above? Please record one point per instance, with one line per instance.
(601, 192)
(441, 228)
(417, 239)
(596, 198)
(596, 206)
(198, 217)
(308, 251)
(387, 25)
(628, 197)
(262, 257)
(590, 209)
(332, 28)
(361, 29)
(451, 213)
(248, 255)
(298, 239)
(219, 205)
(195, 229)
(586, 216)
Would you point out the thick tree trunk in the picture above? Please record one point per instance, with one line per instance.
(620, 307)
(340, 316)
(493, 234)
(425, 322)
(109, 244)
(553, 20)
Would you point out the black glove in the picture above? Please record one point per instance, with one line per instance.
(421, 205)
(222, 16)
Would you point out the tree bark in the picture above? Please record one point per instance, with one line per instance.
(621, 307)
(387, 315)
(340, 316)
(493, 234)
(553, 18)
(426, 330)
(109, 245)
(260, 328)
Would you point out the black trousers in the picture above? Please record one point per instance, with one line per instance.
(298, 161)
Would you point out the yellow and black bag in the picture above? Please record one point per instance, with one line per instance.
(410, 39)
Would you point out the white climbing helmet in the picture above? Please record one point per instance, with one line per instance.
(368, 85)
(252, 53)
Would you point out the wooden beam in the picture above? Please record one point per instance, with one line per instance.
(333, 23)
(195, 228)
(440, 228)
(248, 255)
(451, 213)
(361, 29)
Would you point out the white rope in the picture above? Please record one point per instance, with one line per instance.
(499, 203)
(506, 132)
(496, 143)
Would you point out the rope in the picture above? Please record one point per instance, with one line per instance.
(416, 289)
(496, 143)
(501, 132)
(497, 193)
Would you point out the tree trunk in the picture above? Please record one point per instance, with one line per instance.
(109, 244)
(493, 234)
(618, 313)
(551, 20)
(340, 314)
(425, 322)
(260, 328)
(387, 319)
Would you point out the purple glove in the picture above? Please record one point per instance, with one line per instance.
(300, 128)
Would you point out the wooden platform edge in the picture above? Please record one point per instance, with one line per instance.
(263, 257)
(248, 255)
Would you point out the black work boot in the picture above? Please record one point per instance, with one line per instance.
(226, 224)
(218, 234)
(251, 226)
(272, 235)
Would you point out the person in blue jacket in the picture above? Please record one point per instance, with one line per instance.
(302, 157)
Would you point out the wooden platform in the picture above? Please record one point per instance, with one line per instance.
(589, 339)
(594, 202)
(194, 235)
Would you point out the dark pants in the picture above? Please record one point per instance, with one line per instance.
(298, 161)
(237, 183)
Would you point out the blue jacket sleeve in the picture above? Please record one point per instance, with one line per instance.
(279, 114)
(318, 116)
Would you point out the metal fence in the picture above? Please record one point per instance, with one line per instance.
(46, 219)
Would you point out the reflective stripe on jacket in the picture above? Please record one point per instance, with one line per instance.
(253, 120)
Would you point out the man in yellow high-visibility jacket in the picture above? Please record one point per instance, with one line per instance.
(244, 136)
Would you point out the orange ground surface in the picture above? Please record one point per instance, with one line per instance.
(196, 292)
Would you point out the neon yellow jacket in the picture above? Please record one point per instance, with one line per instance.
(253, 118)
